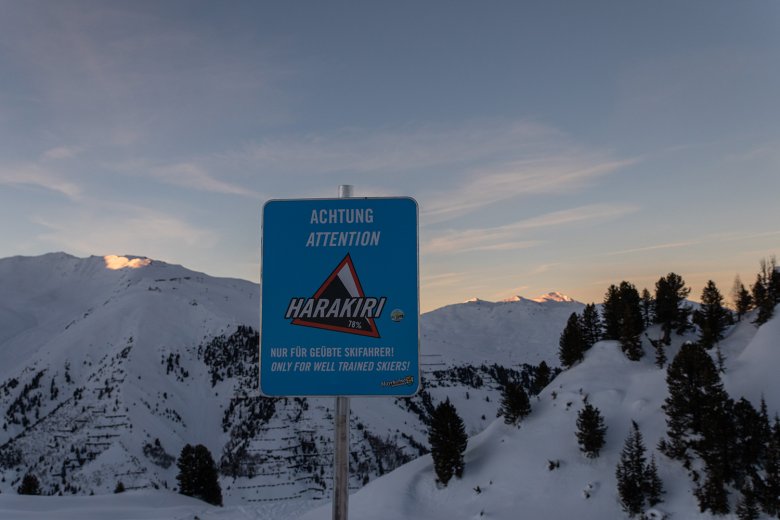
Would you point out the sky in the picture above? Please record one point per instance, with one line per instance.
(551, 146)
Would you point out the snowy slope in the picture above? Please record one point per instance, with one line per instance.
(506, 470)
(110, 365)
(100, 364)
(509, 332)
(147, 505)
(754, 367)
(56, 301)
(84, 384)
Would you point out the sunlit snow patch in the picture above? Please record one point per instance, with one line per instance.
(553, 296)
(120, 262)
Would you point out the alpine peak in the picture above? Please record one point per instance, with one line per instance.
(553, 296)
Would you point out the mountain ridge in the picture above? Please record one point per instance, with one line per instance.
(108, 372)
(114, 370)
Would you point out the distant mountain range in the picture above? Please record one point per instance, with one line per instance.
(553, 296)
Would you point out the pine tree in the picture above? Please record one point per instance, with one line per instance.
(571, 342)
(198, 475)
(670, 292)
(631, 322)
(695, 390)
(622, 318)
(747, 506)
(654, 486)
(591, 430)
(591, 325)
(611, 313)
(743, 301)
(541, 378)
(186, 475)
(760, 300)
(768, 490)
(717, 449)
(720, 360)
(752, 436)
(514, 403)
(210, 490)
(630, 473)
(648, 307)
(660, 352)
(766, 290)
(712, 495)
(120, 487)
(713, 317)
(29, 485)
(448, 440)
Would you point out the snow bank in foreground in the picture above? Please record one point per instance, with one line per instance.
(137, 505)
(506, 471)
(132, 505)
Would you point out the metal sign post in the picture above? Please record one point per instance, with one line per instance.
(341, 460)
(340, 306)
(341, 436)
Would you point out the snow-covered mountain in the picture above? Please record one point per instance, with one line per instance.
(552, 296)
(508, 470)
(100, 380)
(111, 364)
(507, 332)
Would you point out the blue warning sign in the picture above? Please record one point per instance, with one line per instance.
(340, 297)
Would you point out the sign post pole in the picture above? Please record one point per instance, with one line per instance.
(340, 306)
(341, 436)
(341, 461)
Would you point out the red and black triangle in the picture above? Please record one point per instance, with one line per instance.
(342, 284)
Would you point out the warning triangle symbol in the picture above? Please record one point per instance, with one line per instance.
(342, 284)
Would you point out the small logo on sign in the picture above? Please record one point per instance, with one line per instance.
(339, 305)
(406, 381)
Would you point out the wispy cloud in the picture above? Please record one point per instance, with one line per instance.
(443, 280)
(399, 149)
(544, 268)
(669, 245)
(194, 176)
(457, 169)
(729, 236)
(530, 177)
(506, 237)
(122, 75)
(34, 175)
(61, 152)
(121, 229)
(765, 152)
